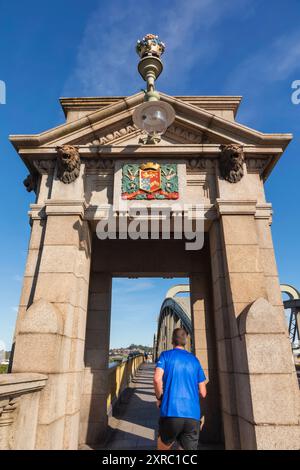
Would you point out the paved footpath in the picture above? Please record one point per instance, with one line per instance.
(134, 422)
(135, 418)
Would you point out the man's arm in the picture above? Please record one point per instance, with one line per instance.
(202, 389)
(158, 383)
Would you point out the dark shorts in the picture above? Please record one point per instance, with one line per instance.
(183, 430)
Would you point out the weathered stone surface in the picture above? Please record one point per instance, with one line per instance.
(47, 352)
(217, 262)
(93, 410)
(92, 432)
(245, 287)
(71, 431)
(77, 355)
(268, 399)
(99, 301)
(98, 319)
(96, 358)
(55, 398)
(95, 380)
(264, 234)
(199, 317)
(231, 431)
(273, 290)
(63, 230)
(278, 437)
(224, 355)
(79, 324)
(260, 318)
(31, 263)
(74, 389)
(268, 262)
(58, 259)
(42, 317)
(97, 338)
(243, 259)
(267, 437)
(227, 386)
(204, 339)
(239, 230)
(26, 291)
(57, 287)
(82, 293)
(263, 353)
(50, 436)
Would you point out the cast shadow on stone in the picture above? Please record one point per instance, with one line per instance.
(84, 239)
(132, 410)
(42, 223)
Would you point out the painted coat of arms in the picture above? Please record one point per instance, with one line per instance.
(150, 181)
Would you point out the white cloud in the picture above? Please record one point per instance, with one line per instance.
(278, 61)
(258, 77)
(15, 309)
(17, 278)
(106, 60)
(128, 287)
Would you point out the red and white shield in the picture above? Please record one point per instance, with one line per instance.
(150, 180)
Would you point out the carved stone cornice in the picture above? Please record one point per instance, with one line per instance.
(8, 411)
(256, 164)
(44, 167)
(236, 206)
(181, 134)
(65, 207)
(99, 164)
(115, 135)
(8, 414)
(264, 211)
(184, 135)
(14, 388)
(201, 163)
(102, 211)
(37, 212)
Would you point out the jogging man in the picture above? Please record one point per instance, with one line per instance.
(178, 381)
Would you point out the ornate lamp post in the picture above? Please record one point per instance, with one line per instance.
(153, 116)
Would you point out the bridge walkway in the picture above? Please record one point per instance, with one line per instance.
(134, 422)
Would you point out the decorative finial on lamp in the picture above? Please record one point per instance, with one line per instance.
(150, 45)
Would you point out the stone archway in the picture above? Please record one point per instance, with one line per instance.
(76, 170)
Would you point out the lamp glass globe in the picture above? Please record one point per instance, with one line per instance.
(154, 117)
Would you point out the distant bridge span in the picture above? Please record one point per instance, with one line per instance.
(175, 312)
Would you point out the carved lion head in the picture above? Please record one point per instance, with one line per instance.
(231, 162)
(68, 163)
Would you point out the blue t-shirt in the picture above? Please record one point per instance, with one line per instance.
(182, 375)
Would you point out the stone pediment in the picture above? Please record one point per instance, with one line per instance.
(129, 134)
(110, 130)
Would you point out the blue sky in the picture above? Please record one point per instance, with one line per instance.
(75, 48)
(135, 309)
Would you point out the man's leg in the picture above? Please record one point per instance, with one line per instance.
(169, 429)
(162, 446)
(189, 437)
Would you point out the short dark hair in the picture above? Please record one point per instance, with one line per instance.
(179, 337)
